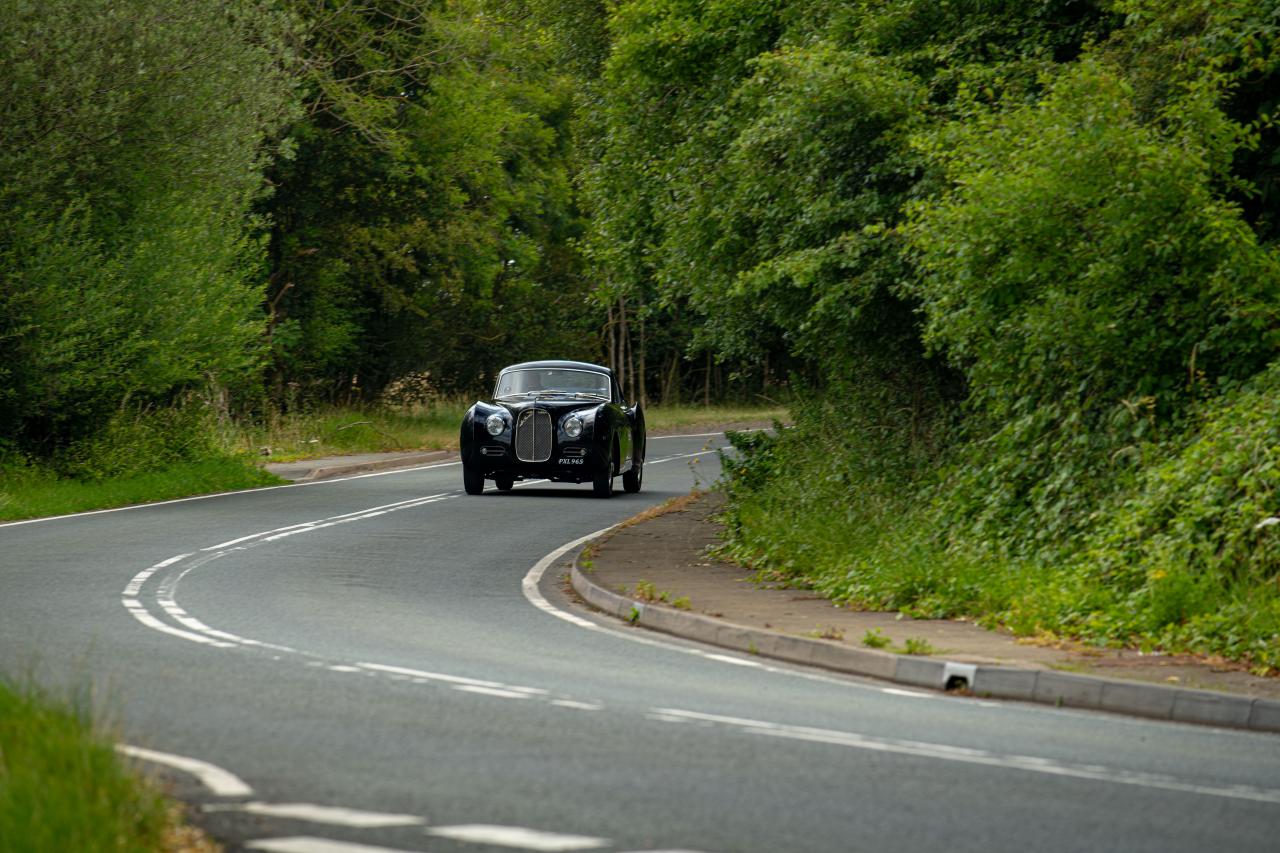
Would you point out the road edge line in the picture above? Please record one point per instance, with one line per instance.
(223, 783)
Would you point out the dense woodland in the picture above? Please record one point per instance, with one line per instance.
(1016, 262)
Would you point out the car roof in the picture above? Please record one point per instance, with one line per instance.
(564, 365)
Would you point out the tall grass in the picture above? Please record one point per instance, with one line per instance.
(335, 430)
(62, 786)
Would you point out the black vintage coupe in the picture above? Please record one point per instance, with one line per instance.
(556, 420)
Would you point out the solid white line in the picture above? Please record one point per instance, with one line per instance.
(304, 844)
(221, 782)
(335, 815)
(517, 836)
(529, 585)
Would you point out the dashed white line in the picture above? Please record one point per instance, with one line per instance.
(733, 660)
(222, 783)
(518, 836)
(311, 813)
(491, 691)
(305, 844)
(577, 706)
(944, 752)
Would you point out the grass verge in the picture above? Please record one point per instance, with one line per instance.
(31, 492)
(62, 786)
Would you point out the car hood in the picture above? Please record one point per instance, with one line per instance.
(557, 407)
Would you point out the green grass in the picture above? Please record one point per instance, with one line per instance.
(339, 430)
(62, 786)
(32, 492)
(662, 418)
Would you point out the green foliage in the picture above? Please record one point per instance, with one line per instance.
(62, 787)
(130, 151)
(1086, 257)
(873, 639)
(425, 223)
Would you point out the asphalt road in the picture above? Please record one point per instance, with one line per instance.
(373, 658)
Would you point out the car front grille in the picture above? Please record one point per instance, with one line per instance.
(533, 436)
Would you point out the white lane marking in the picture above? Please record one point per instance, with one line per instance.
(304, 844)
(736, 661)
(705, 434)
(1005, 761)
(577, 706)
(311, 813)
(896, 691)
(325, 482)
(491, 691)
(431, 676)
(222, 783)
(679, 456)
(517, 836)
(135, 584)
(166, 596)
(529, 584)
(137, 611)
(237, 541)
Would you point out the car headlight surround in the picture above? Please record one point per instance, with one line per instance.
(573, 426)
(495, 424)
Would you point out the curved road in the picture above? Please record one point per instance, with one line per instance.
(378, 661)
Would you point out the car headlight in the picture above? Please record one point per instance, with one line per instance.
(495, 424)
(573, 426)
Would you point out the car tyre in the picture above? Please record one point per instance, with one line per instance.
(472, 480)
(632, 480)
(504, 482)
(602, 482)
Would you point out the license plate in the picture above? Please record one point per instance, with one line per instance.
(567, 461)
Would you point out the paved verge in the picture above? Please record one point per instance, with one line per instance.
(666, 556)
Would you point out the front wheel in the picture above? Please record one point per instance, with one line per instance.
(632, 480)
(472, 480)
(602, 482)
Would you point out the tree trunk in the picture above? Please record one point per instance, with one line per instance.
(706, 382)
(644, 392)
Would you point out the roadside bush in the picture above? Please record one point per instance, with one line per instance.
(136, 440)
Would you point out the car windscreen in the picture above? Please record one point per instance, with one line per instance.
(549, 381)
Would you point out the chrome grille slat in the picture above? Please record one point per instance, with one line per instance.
(533, 436)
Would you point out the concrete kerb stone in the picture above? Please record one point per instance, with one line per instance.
(1005, 682)
(1042, 686)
